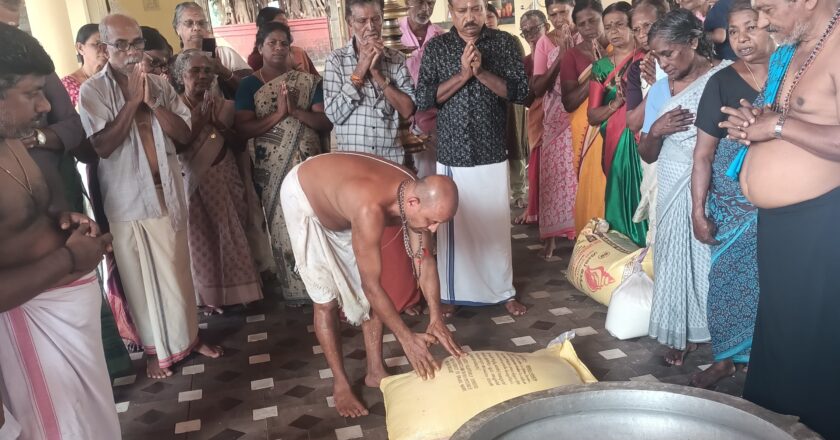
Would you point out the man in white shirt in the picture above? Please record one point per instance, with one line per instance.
(135, 121)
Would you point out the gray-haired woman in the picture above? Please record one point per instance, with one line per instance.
(681, 263)
(192, 26)
(222, 267)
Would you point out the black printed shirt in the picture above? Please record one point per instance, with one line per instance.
(471, 124)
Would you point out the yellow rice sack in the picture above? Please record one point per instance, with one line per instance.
(430, 410)
(602, 260)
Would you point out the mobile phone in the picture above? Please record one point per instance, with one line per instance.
(209, 45)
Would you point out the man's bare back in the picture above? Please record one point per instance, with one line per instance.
(777, 172)
(338, 185)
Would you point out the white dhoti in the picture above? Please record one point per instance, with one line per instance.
(154, 262)
(474, 250)
(54, 377)
(323, 258)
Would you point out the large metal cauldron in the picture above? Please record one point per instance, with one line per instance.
(630, 411)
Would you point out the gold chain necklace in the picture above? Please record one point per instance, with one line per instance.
(755, 81)
(25, 185)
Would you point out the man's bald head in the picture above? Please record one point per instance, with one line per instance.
(432, 200)
(439, 192)
(118, 30)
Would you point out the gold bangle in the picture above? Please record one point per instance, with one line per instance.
(356, 80)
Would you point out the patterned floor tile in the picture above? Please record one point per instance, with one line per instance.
(284, 352)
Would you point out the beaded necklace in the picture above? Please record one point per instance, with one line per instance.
(416, 257)
(832, 24)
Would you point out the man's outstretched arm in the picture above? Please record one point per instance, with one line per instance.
(430, 284)
(367, 230)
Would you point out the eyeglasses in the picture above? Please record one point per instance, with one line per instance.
(156, 63)
(190, 23)
(125, 46)
(527, 32)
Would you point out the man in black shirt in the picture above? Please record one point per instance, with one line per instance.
(470, 74)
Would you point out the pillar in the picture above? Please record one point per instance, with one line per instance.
(50, 24)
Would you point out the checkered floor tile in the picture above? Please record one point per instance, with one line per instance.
(274, 382)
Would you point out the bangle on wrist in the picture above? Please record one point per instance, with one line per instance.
(780, 124)
(72, 259)
(356, 80)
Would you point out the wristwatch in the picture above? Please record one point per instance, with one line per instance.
(777, 130)
(40, 137)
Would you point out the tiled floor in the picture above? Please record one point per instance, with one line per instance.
(273, 382)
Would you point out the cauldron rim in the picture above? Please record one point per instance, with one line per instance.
(787, 423)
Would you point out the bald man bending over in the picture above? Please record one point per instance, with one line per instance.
(337, 206)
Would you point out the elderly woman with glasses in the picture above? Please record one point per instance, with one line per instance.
(192, 27)
(157, 53)
(223, 271)
(91, 53)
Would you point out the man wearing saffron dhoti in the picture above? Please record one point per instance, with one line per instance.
(337, 207)
(54, 381)
(135, 121)
(470, 74)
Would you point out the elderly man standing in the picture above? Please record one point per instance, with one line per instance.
(417, 29)
(367, 86)
(792, 174)
(470, 74)
(135, 121)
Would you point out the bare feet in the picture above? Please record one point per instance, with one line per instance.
(548, 248)
(373, 378)
(415, 310)
(520, 219)
(676, 357)
(447, 310)
(347, 404)
(212, 310)
(515, 307)
(211, 351)
(154, 370)
(719, 370)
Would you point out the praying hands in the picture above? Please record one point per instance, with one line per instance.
(749, 124)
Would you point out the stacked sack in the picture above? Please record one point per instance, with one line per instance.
(611, 269)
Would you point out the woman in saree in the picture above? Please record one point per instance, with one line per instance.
(728, 221)
(557, 177)
(643, 16)
(223, 270)
(283, 110)
(681, 262)
(575, 73)
(607, 108)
